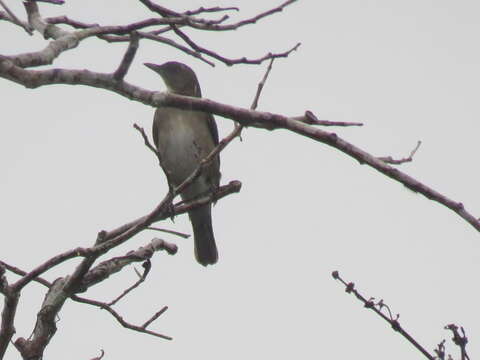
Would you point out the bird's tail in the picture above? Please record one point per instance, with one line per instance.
(205, 247)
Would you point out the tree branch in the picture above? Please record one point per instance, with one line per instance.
(33, 79)
(230, 62)
(127, 60)
(10, 16)
(119, 318)
(377, 308)
(390, 160)
(9, 310)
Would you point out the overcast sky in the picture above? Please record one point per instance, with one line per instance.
(73, 165)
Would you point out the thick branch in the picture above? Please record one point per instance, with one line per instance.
(7, 328)
(33, 79)
(127, 60)
(109, 267)
(47, 265)
(45, 327)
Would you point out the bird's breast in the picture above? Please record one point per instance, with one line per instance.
(183, 140)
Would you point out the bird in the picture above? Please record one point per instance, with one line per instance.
(183, 138)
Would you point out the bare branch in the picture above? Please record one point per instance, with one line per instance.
(180, 208)
(172, 43)
(10, 16)
(125, 38)
(377, 308)
(147, 265)
(118, 317)
(239, 127)
(163, 11)
(7, 328)
(36, 22)
(45, 327)
(33, 79)
(147, 142)
(81, 279)
(207, 24)
(20, 272)
(111, 266)
(68, 41)
(201, 10)
(182, 235)
(390, 160)
(310, 119)
(55, 2)
(66, 20)
(230, 62)
(154, 317)
(120, 73)
(254, 19)
(47, 265)
(260, 85)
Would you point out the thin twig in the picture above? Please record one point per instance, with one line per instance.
(128, 57)
(154, 317)
(206, 24)
(67, 21)
(118, 317)
(147, 265)
(310, 119)
(15, 19)
(395, 324)
(260, 86)
(164, 40)
(254, 19)
(55, 2)
(212, 9)
(239, 127)
(390, 160)
(147, 142)
(230, 62)
(182, 235)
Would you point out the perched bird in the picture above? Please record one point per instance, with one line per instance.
(183, 138)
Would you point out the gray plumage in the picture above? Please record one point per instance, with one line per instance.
(183, 138)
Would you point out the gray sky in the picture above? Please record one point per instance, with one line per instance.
(73, 165)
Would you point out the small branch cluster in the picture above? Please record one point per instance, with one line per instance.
(85, 276)
(383, 310)
(64, 288)
(167, 20)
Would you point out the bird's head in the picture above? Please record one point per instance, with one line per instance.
(178, 78)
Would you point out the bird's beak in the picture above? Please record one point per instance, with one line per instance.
(152, 66)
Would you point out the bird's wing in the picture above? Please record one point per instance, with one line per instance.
(156, 120)
(212, 126)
